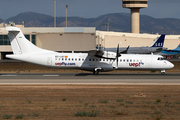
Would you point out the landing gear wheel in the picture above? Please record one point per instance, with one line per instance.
(96, 72)
(162, 72)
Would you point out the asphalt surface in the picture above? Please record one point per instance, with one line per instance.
(85, 78)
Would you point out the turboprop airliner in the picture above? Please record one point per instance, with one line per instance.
(95, 61)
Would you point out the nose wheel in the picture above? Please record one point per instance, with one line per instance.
(162, 72)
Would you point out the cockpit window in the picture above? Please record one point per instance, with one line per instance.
(161, 58)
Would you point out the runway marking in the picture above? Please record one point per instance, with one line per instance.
(8, 75)
(50, 75)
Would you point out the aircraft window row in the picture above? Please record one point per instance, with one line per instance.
(72, 59)
(129, 60)
(105, 60)
(161, 58)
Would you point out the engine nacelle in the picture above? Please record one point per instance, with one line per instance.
(109, 55)
(107, 68)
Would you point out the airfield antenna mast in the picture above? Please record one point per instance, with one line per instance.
(54, 13)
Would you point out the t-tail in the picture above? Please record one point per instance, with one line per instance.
(159, 42)
(19, 44)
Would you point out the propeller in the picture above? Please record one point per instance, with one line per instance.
(117, 56)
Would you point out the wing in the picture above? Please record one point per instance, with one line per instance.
(125, 51)
(102, 54)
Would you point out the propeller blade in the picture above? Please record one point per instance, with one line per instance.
(117, 55)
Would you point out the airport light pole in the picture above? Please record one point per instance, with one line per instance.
(66, 14)
(54, 13)
(107, 26)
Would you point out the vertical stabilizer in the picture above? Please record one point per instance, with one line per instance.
(159, 42)
(178, 47)
(20, 44)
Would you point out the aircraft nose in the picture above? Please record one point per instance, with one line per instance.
(171, 65)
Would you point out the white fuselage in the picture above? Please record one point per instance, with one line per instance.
(85, 62)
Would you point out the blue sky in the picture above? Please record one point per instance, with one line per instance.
(87, 8)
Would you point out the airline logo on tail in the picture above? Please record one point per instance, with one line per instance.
(178, 47)
(159, 42)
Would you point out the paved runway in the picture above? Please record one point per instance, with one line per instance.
(85, 78)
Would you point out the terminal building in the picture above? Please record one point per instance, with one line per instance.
(60, 39)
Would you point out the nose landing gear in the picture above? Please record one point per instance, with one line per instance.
(162, 72)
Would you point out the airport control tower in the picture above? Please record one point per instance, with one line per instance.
(135, 5)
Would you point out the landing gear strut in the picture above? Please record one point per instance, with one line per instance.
(162, 72)
(96, 72)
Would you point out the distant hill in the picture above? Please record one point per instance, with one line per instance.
(1, 20)
(119, 22)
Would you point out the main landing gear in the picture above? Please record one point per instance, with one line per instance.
(162, 72)
(96, 71)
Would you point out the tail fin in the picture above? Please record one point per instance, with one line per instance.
(159, 42)
(19, 43)
(178, 47)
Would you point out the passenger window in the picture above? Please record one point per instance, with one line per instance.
(130, 60)
(120, 60)
(137, 60)
(124, 60)
(75, 59)
(62, 58)
(79, 59)
(93, 59)
(69, 59)
(133, 60)
(72, 59)
(103, 59)
(83, 59)
(127, 60)
(89, 59)
(65, 58)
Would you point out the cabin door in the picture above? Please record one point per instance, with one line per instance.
(49, 61)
